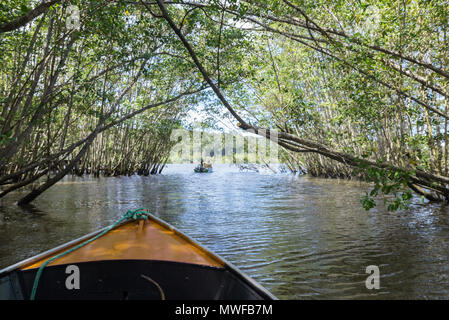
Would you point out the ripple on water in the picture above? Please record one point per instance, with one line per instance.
(302, 238)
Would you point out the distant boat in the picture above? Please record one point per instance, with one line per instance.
(206, 168)
(145, 259)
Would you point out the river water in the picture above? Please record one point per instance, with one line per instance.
(300, 237)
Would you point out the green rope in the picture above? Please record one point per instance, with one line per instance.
(138, 214)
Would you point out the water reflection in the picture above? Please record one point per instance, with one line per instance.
(302, 238)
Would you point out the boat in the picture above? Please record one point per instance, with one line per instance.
(203, 168)
(134, 259)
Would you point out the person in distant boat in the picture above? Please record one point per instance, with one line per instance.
(202, 164)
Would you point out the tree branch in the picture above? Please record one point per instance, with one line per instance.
(27, 17)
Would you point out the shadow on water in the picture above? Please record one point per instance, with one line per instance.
(300, 237)
(32, 209)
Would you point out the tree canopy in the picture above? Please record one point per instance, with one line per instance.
(354, 88)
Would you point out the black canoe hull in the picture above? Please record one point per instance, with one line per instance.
(122, 280)
(204, 170)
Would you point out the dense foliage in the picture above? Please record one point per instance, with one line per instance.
(355, 88)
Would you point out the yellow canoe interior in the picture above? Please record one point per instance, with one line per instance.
(152, 241)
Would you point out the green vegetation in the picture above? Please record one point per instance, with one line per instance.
(215, 147)
(355, 88)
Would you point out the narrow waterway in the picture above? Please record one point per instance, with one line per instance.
(300, 237)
